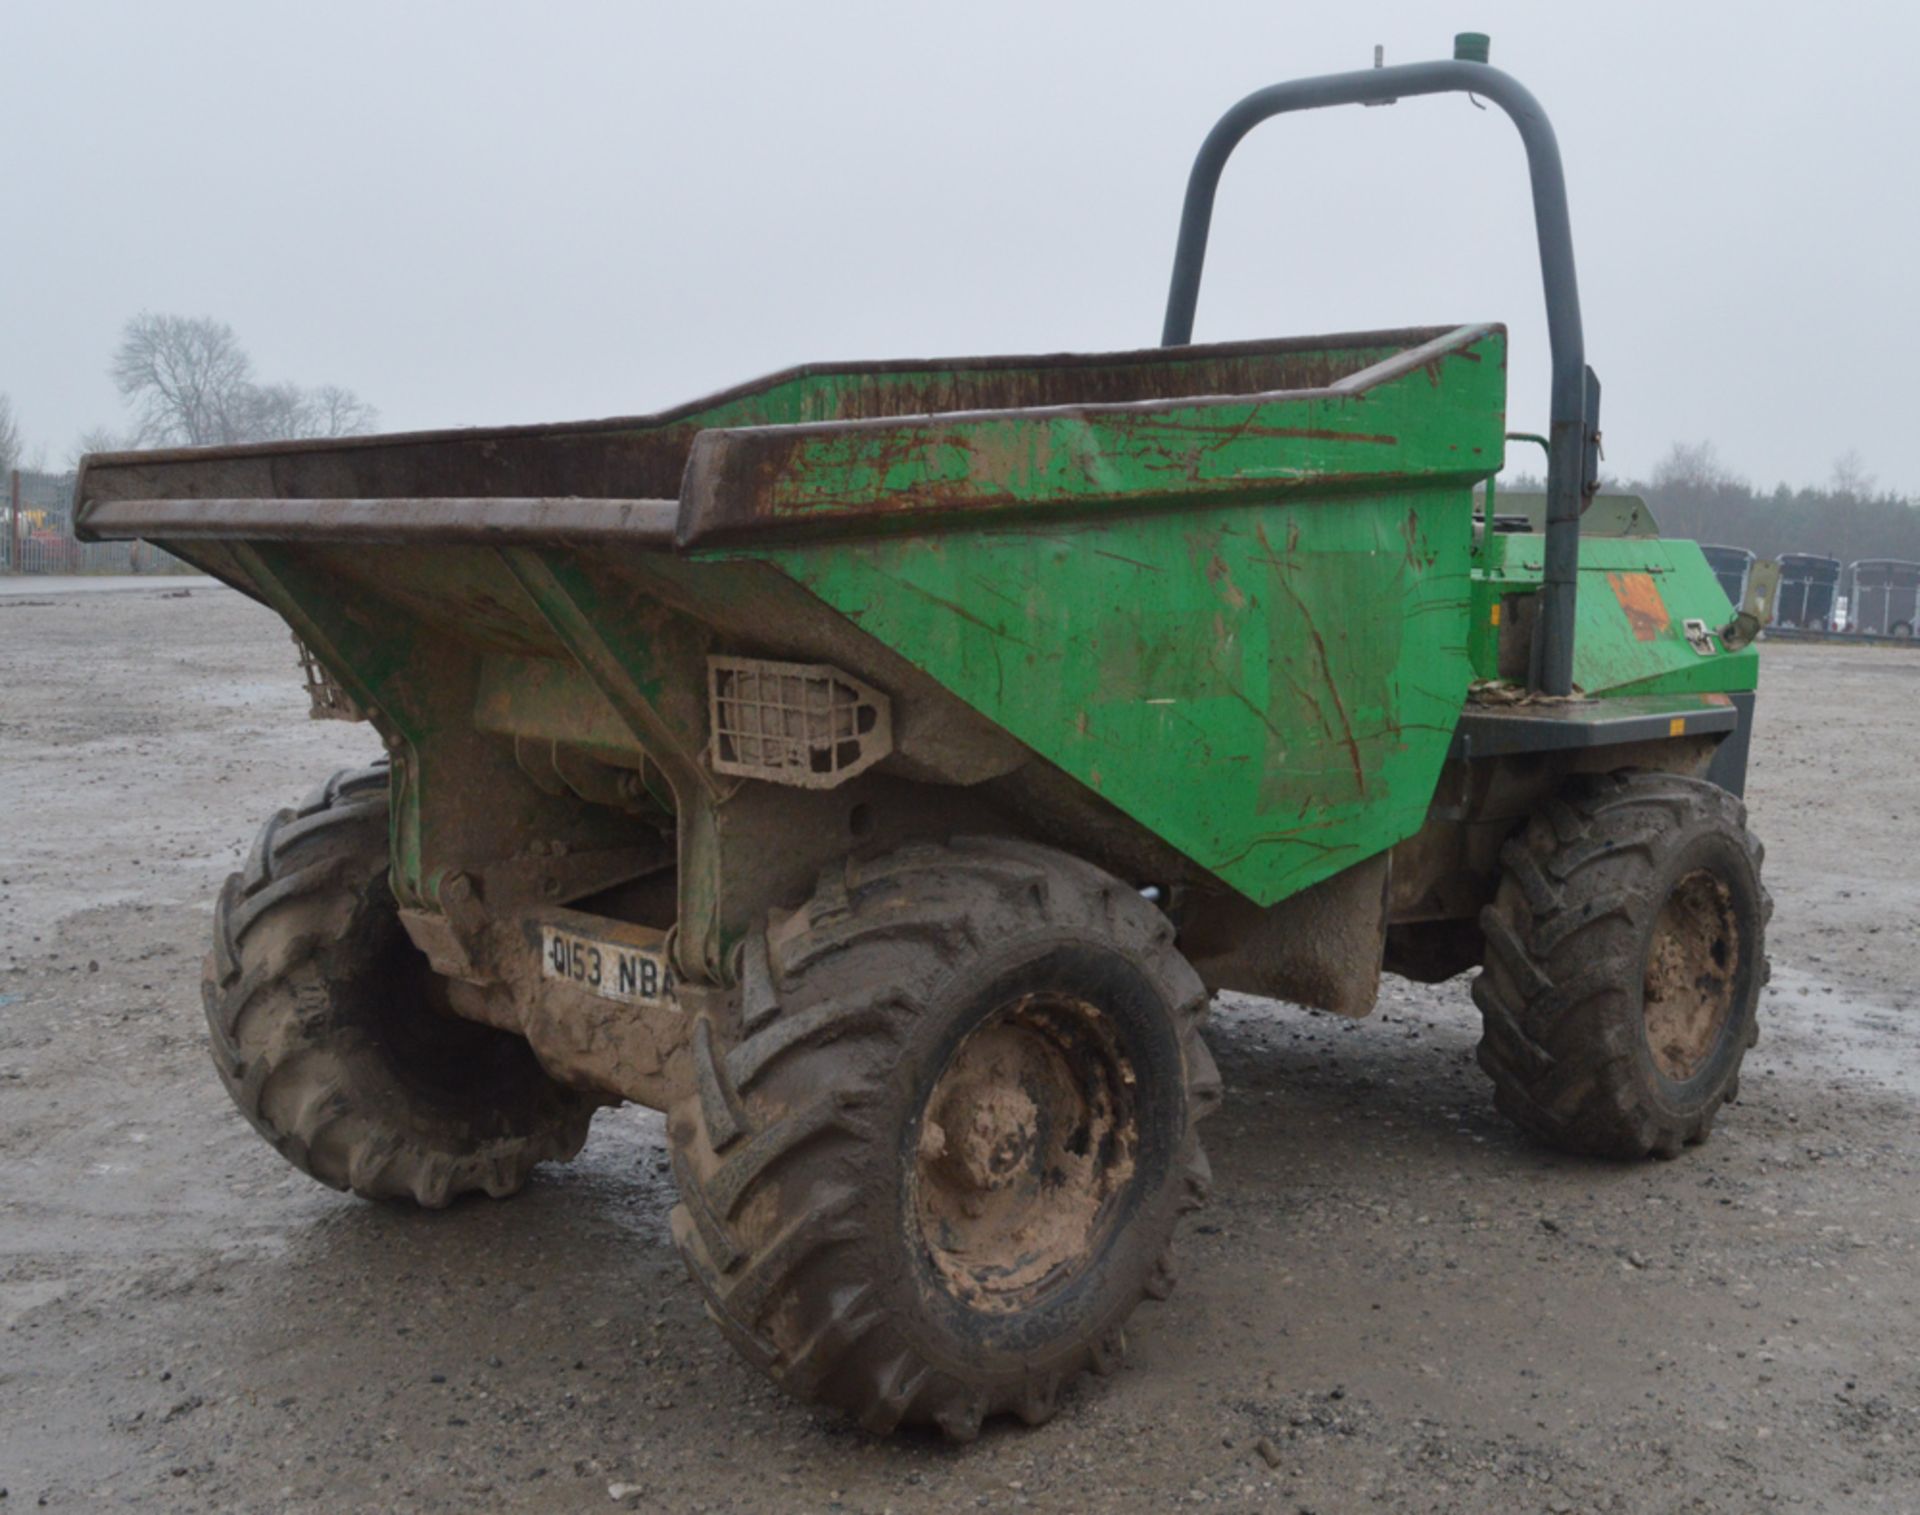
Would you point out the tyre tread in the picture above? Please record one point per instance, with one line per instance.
(1560, 940)
(811, 1013)
(280, 1060)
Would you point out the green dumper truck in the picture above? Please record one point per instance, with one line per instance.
(878, 766)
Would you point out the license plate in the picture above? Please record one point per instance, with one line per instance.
(613, 970)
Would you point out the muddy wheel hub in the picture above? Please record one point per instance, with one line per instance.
(1025, 1141)
(1692, 973)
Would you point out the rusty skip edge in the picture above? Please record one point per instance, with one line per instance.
(729, 469)
(702, 513)
(1408, 337)
(640, 523)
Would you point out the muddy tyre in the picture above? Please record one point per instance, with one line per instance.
(941, 1160)
(325, 1028)
(1625, 953)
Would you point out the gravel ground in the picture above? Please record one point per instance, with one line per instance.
(1394, 1303)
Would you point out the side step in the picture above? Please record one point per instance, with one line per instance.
(1534, 725)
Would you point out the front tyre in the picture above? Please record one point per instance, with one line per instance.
(327, 1031)
(942, 1160)
(1625, 953)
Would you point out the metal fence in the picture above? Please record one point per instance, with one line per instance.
(36, 534)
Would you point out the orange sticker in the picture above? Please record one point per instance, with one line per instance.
(1639, 596)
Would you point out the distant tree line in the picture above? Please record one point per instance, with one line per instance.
(1694, 495)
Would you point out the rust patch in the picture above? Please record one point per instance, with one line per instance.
(1221, 578)
(1414, 558)
(1640, 598)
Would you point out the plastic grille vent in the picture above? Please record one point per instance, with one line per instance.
(804, 724)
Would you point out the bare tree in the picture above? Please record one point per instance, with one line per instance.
(191, 384)
(98, 439)
(1692, 465)
(275, 413)
(1850, 478)
(187, 378)
(286, 412)
(340, 412)
(9, 437)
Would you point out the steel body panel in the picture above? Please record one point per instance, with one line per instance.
(1240, 622)
(1636, 596)
(1270, 689)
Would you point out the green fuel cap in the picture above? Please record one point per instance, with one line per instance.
(1471, 47)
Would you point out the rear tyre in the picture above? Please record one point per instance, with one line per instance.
(943, 1159)
(1901, 629)
(1625, 953)
(327, 1033)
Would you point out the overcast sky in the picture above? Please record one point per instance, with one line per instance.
(488, 213)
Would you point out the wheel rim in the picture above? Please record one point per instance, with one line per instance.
(1026, 1144)
(1692, 975)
